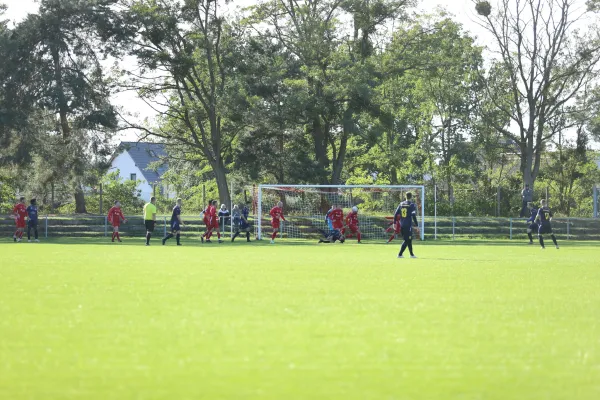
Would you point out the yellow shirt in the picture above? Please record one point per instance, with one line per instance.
(149, 210)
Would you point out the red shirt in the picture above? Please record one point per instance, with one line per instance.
(212, 213)
(337, 218)
(115, 215)
(20, 210)
(276, 213)
(352, 219)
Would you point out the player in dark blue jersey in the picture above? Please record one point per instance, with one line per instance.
(544, 220)
(245, 221)
(531, 224)
(176, 223)
(407, 212)
(32, 220)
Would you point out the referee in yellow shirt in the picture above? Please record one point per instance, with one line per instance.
(150, 218)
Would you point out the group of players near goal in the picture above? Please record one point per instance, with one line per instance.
(340, 228)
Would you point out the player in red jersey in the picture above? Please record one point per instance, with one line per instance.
(19, 214)
(337, 218)
(215, 220)
(115, 216)
(207, 223)
(276, 217)
(394, 227)
(352, 225)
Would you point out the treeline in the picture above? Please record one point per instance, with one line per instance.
(310, 91)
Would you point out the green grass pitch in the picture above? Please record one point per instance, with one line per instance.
(473, 320)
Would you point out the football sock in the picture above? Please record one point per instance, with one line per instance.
(219, 235)
(530, 237)
(554, 239)
(410, 247)
(21, 235)
(35, 233)
(118, 237)
(389, 240)
(177, 238)
(358, 236)
(16, 235)
(404, 244)
(542, 241)
(236, 235)
(148, 236)
(28, 233)
(274, 235)
(113, 236)
(169, 236)
(248, 236)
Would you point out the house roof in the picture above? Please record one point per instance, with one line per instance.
(144, 154)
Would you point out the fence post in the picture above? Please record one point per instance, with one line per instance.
(106, 226)
(46, 234)
(595, 201)
(568, 228)
(435, 212)
(510, 228)
(453, 223)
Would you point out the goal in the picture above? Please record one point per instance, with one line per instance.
(305, 206)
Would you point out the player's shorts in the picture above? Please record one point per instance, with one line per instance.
(215, 224)
(175, 226)
(20, 223)
(406, 232)
(149, 225)
(545, 229)
(244, 225)
(116, 224)
(533, 227)
(275, 223)
(32, 224)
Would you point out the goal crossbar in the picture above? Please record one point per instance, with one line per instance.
(285, 186)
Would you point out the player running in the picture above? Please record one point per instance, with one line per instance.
(19, 214)
(352, 225)
(532, 226)
(407, 211)
(276, 214)
(115, 216)
(32, 220)
(176, 224)
(150, 218)
(544, 219)
(215, 220)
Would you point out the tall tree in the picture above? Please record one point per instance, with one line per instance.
(187, 55)
(56, 67)
(548, 60)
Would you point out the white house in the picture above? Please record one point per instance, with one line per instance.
(136, 161)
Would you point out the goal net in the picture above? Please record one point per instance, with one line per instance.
(305, 207)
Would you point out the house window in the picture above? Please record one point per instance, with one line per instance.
(133, 177)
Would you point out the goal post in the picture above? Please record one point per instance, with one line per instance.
(305, 207)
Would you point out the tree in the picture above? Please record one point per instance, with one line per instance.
(55, 68)
(188, 54)
(548, 62)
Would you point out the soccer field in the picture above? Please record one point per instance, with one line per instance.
(474, 320)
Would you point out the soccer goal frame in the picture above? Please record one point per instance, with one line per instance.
(261, 188)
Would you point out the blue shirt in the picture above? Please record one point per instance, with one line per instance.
(176, 213)
(328, 220)
(32, 212)
(534, 212)
(408, 214)
(544, 214)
